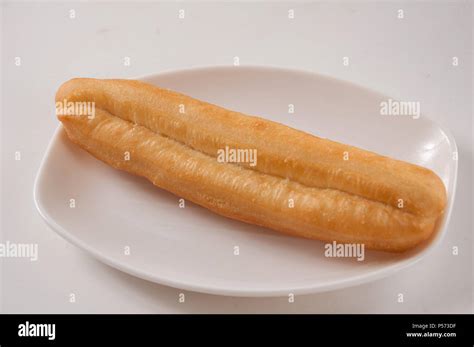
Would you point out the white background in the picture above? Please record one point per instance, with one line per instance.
(409, 59)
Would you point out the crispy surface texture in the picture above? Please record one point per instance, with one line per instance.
(173, 141)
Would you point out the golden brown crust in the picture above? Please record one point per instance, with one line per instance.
(353, 200)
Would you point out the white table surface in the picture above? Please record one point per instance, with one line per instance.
(409, 59)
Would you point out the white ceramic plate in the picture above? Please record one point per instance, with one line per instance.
(192, 248)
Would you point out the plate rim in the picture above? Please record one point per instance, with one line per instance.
(262, 292)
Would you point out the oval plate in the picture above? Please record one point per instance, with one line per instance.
(133, 226)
